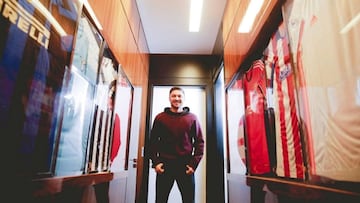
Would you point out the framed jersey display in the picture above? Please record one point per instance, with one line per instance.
(254, 82)
(76, 120)
(119, 153)
(236, 128)
(110, 133)
(35, 48)
(99, 140)
(78, 99)
(290, 162)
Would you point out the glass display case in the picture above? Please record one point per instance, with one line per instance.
(78, 99)
(110, 130)
(63, 94)
(119, 155)
(36, 44)
(236, 127)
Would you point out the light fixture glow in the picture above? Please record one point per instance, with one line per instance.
(195, 15)
(92, 14)
(38, 5)
(250, 15)
(351, 24)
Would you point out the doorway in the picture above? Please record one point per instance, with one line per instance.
(195, 99)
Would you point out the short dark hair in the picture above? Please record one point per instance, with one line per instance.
(176, 88)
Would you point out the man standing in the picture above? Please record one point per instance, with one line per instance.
(176, 148)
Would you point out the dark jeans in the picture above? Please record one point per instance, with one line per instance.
(175, 171)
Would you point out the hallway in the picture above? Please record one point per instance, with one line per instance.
(279, 104)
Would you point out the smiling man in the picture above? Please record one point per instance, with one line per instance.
(176, 148)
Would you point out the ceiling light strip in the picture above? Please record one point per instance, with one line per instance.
(250, 15)
(351, 24)
(37, 4)
(195, 15)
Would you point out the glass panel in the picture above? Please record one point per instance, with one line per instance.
(34, 52)
(87, 49)
(109, 138)
(78, 100)
(102, 126)
(328, 74)
(235, 125)
(121, 134)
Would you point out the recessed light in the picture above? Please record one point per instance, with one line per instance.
(250, 15)
(195, 15)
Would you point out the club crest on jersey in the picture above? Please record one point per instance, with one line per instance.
(285, 73)
(17, 15)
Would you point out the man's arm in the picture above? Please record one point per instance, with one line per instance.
(198, 144)
(154, 144)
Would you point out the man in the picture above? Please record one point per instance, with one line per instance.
(176, 148)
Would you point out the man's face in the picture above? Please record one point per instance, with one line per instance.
(176, 98)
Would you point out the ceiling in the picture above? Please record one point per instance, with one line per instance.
(166, 22)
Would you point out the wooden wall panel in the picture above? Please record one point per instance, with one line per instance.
(133, 16)
(123, 31)
(121, 28)
(237, 45)
(229, 15)
(100, 10)
(143, 46)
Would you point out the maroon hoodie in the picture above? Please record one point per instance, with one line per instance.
(176, 136)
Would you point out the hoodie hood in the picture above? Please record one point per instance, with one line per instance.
(186, 110)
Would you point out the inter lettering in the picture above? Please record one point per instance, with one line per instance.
(25, 22)
(10, 14)
(23, 25)
(39, 37)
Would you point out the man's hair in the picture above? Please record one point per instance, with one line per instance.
(176, 88)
